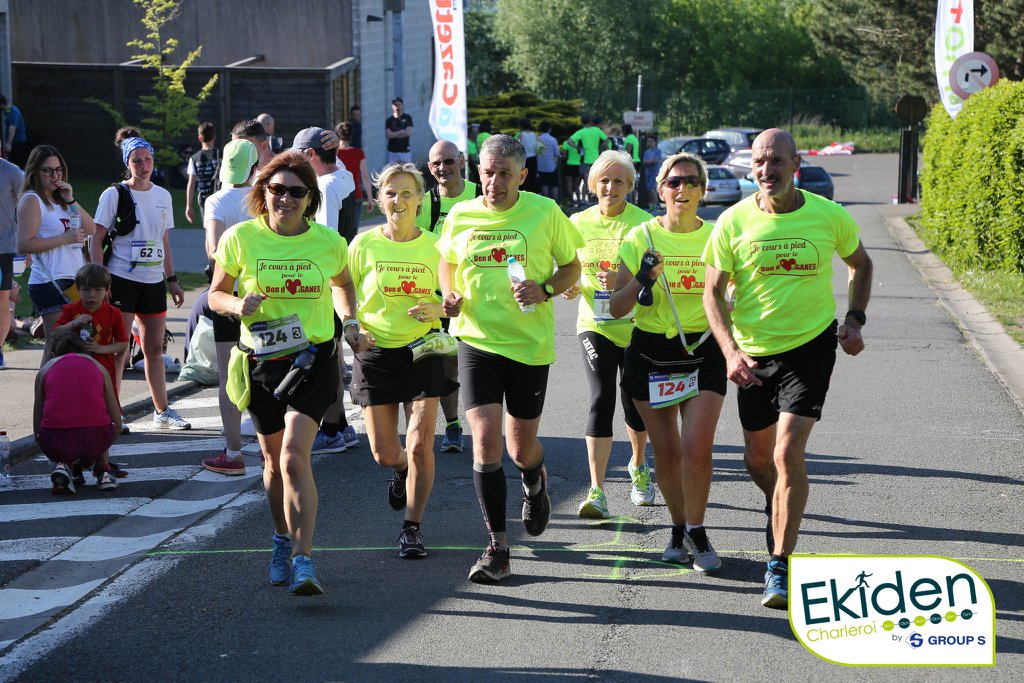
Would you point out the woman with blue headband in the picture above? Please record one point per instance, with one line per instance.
(139, 261)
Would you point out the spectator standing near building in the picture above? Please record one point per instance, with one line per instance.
(15, 135)
(780, 339)
(506, 347)
(355, 118)
(398, 131)
(652, 162)
(203, 167)
(274, 142)
(354, 160)
(11, 180)
(547, 162)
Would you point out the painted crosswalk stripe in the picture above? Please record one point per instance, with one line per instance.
(35, 549)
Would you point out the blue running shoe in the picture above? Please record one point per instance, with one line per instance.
(304, 577)
(281, 562)
(776, 585)
(350, 436)
(327, 444)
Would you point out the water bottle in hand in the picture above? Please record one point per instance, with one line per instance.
(75, 217)
(5, 459)
(517, 274)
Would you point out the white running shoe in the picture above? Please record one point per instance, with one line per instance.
(170, 419)
(705, 559)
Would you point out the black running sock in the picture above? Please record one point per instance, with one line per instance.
(453, 422)
(782, 559)
(330, 428)
(531, 478)
(407, 524)
(491, 491)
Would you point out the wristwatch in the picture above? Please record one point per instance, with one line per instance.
(859, 316)
(549, 290)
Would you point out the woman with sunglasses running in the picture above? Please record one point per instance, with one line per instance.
(674, 369)
(141, 271)
(292, 275)
(45, 232)
(395, 270)
(603, 338)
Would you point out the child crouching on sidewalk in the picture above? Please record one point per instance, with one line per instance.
(75, 417)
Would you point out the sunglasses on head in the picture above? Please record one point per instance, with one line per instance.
(442, 162)
(296, 191)
(674, 181)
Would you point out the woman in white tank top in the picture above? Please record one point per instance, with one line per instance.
(44, 231)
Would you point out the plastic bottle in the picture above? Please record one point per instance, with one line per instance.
(300, 366)
(5, 459)
(75, 217)
(517, 274)
(85, 331)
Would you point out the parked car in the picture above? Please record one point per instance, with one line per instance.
(723, 187)
(711, 150)
(739, 163)
(738, 138)
(815, 179)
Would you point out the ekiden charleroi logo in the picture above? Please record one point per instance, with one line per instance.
(896, 610)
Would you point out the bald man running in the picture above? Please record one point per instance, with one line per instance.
(777, 247)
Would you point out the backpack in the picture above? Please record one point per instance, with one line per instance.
(125, 220)
(616, 143)
(207, 167)
(435, 203)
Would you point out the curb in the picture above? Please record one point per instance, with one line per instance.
(25, 448)
(1004, 356)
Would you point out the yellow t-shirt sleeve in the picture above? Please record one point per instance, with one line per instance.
(847, 234)
(565, 241)
(718, 251)
(228, 252)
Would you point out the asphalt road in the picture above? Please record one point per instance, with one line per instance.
(920, 452)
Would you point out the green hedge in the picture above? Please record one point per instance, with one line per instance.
(505, 111)
(972, 181)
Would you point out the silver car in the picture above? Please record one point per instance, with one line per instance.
(723, 187)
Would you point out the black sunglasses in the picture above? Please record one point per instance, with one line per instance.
(442, 162)
(296, 191)
(674, 181)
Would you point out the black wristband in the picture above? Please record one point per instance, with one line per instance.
(859, 316)
(172, 278)
(72, 201)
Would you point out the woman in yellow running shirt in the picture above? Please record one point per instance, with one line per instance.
(395, 270)
(673, 368)
(603, 338)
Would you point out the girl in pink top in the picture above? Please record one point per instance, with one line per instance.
(75, 415)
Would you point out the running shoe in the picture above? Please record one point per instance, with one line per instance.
(492, 567)
(350, 435)
(643, 486)
(222, 464)
(676, 551)
(396, 490)
(107, 481)
(117, 470)
(696, 542)
(451, 442)
(410, 543)
(3, 365)
(537, 509)
(170, 419)
(281, 562)
(78, 477)
(776, 585)
(62, 481)
(328, 444)
(595, 506)
(304, 580)
(125, 430)
(769, 533)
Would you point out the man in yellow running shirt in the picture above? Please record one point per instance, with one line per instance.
(506, 333)
(777, 247)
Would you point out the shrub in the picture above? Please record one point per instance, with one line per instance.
(972, 181)
(505, 111)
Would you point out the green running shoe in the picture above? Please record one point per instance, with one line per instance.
(643, 486)
(595, 506)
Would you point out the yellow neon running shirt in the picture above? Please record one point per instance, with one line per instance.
(602, 236)
(293, 272)
(684, 268)
(592, 137)
(572, 157)
(423, 220)
(782, 267)
(390, 278)
(479, 241)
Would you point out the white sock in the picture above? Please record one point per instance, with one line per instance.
(691, 527)
(234, 455)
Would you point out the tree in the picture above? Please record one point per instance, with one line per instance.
(171, 110)
(485, 55)
(888, 47)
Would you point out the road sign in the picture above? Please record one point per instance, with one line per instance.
(640, 120)
(972, 73)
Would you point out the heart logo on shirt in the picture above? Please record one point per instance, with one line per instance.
(605, 264)
(292, 285)
(787, 263)
(407, 286)
(498, 254)
(688, 281)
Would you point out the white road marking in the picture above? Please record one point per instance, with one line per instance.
(35, 549)
(24, 512)
(97, 548)
(168, 507)
(16, 602)
(27, 482)
(176, 446)
(194, 403)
